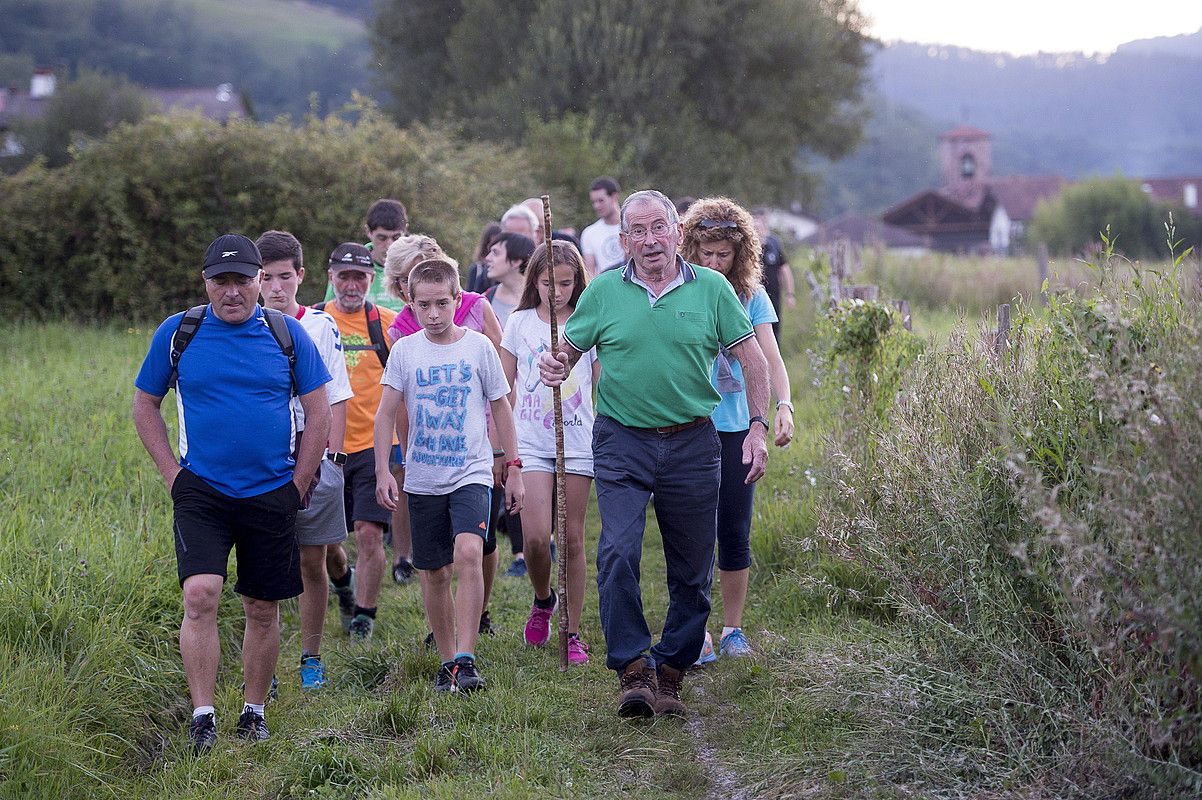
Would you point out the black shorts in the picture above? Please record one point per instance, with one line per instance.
(260, 529)
(436, 519)
(359, 474)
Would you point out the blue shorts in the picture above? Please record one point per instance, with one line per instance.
(436, 519)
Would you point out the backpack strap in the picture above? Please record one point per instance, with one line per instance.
(491, 292)
(283, 337)
(375, 331)
(188, 325)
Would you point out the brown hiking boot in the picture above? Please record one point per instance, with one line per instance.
(667, 691)
(638, 690)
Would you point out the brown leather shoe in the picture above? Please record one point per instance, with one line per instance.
(667, 692)
(637, 698)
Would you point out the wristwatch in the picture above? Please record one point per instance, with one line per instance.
(761, 420)
(787, 403)
(337, 458)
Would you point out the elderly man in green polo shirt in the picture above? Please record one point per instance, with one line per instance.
(657, 325)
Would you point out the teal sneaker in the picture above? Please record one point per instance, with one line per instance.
(708, 656)
(735, 644)
(312, 673)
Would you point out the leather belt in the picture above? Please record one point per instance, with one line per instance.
(665, 429)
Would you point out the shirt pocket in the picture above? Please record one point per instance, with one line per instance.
(691, 327)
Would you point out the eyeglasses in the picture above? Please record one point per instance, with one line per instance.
(720, 224)
(657, 229)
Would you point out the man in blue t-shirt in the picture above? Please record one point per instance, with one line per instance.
(237, 483)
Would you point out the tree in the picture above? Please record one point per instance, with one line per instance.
(708, 95)
(1075, 220)
(80, 110)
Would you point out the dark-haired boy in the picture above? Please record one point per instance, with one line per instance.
(599, 242)
(387, 220)
(443, 378)
(321, 527)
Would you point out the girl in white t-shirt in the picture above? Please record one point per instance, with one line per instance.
(527, 334)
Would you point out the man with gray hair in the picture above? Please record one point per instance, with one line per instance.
(521, 219)
(659, 316)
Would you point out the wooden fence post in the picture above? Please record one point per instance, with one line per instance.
(1001, 339)
(1041, 253)
(903, 308)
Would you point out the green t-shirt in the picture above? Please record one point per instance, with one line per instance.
(376, 293)
(656, 358)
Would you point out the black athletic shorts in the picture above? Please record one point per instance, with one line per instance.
(437, 519)
(260, 529)
(359, 474)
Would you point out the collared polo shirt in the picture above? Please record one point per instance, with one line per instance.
(656, 357)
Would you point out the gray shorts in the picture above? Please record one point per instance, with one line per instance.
(324, 521)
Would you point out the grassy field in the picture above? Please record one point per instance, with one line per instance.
(914, 602)
(281, 24)
(93, 701)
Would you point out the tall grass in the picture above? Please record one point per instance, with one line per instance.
(1033, 520)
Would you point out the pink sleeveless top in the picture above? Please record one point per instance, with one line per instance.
(470, 314)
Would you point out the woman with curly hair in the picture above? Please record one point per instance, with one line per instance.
(721, 235)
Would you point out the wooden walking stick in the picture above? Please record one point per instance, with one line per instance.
(560, 528)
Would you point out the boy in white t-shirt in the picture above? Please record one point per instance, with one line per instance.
(442, 378)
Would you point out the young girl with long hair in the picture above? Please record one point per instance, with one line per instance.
(527, 334)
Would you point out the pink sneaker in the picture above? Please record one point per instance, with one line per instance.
(538, 625)
(577, 650)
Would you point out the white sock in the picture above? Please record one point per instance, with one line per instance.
(258, 709)
(200, 711)
(726, 631)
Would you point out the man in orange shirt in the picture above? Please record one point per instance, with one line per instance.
(365, 345)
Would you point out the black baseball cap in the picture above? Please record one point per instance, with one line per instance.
(232, 252)
(351, 255)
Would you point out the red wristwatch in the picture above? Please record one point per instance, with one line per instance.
(517, 462)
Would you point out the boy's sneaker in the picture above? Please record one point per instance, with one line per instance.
(577, 650)
(312, 673)
(486, 626)
(252, 726)
(735, 644)
(361, 628)
(346, 601)
(637, 696)
(202, 733)
(538, 624)
(444, 681)
(517, 569)
(708, 656)
(402, 572)
(467, 677)
(668, 683)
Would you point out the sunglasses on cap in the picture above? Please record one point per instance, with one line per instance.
(717, 224)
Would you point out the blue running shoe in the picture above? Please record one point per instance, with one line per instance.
(312, 673)
(708, 656)
(735, 644)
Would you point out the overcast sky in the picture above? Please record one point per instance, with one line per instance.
(1029, 26)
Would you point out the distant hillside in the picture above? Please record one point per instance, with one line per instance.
(1187, 44)
(1134, 113)
(279, 51)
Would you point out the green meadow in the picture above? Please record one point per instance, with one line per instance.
(975, 575)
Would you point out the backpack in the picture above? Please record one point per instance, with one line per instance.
(374, 331)
(190, 322)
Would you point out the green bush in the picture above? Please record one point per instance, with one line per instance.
(1034, 519)
(120, 231)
